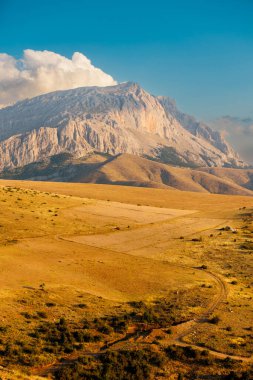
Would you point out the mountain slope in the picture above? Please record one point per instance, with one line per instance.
(136, 171)
(116, 119)
(195, 127)
(130, 170)
(243, 177)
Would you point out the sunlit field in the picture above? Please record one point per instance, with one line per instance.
(101, 281)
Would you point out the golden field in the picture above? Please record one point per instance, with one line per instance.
(83, 252)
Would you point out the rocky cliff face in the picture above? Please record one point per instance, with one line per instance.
(197, 128)
(117, 119)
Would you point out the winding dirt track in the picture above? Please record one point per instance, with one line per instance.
(220, 297)
(178, 335)
(177, 339)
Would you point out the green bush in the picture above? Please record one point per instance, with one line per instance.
(120, 365)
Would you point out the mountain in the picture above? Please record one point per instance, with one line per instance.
(239, 132)
(198, 129)
(117, 119)
(130, 170)
(243, 177)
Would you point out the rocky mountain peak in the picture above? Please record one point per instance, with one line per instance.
(115, 119)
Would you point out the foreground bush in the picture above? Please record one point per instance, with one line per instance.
(121, 365)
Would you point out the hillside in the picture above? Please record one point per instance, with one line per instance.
(117, 119)
(130, 170)
(94, 271)
(243, 177)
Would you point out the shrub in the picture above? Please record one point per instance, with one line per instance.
(188, 354)
(42, 314)
(200, 239)
(50, 304)
(120, 365)
(81, 305)
(214, 320)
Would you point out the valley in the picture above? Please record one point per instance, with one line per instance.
(112, 273)
(126, 190)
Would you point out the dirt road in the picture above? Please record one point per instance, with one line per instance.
(150, 241)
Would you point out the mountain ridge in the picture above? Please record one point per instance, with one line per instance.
(117, 119)
(130, 170)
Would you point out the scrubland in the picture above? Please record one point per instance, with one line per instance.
(110, 282)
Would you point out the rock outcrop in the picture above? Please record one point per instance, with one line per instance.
(117, 119)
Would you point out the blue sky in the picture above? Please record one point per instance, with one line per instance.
(198, 52)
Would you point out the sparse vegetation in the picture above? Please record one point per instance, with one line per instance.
(123, 307)
(214, 320)
(121, 365)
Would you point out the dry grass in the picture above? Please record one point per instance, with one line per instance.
(86, 250)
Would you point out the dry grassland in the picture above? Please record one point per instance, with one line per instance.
(81, 252)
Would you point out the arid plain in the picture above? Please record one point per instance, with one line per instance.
(111, 269)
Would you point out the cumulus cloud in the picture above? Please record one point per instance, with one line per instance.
(39, 72)
(239, 132)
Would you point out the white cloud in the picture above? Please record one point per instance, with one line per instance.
(39, 72)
